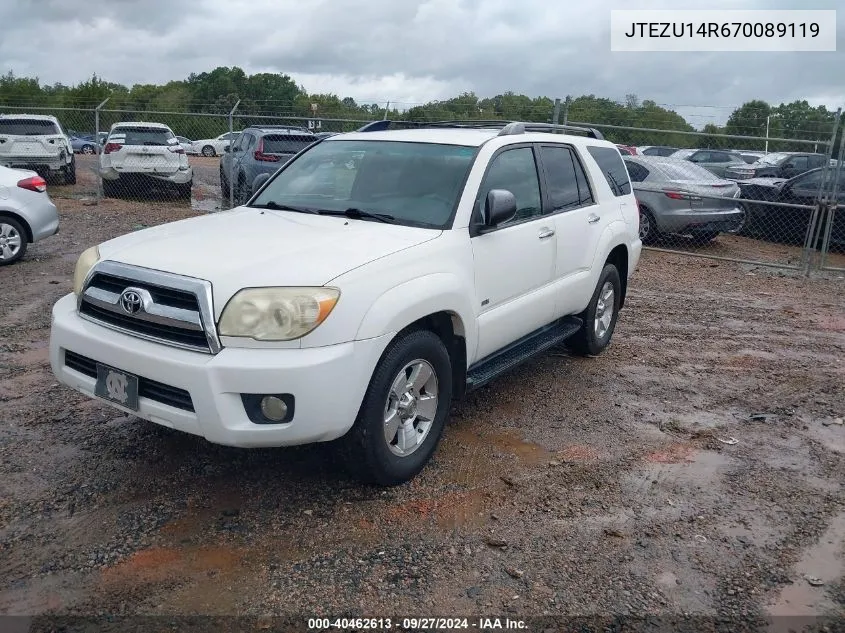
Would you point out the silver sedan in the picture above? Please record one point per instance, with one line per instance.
(679, 197)
(27, 214)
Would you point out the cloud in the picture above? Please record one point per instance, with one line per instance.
(410, 51)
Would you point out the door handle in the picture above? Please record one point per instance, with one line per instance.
(545, 232)
(593, 218)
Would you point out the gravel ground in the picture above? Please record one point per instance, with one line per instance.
(572, 486)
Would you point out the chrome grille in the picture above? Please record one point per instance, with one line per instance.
(164, 307)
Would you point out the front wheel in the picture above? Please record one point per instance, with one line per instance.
(599, 319)
(12, 240)
(208, 151)
(401, 419)
(648, 226)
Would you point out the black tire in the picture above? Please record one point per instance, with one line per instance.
(586, 341)
(652, 234)
(111, 188)
(70, 173)
(184, 190)
(704, 237)
(364, 449)
(208, 151)
(87, 149)
(15, 229)
(243, 192)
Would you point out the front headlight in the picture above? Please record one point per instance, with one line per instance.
(84, 265)
(277, 314)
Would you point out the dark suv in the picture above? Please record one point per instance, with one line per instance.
(778, 165)
(259, 150)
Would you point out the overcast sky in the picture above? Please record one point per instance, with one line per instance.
(409, 51)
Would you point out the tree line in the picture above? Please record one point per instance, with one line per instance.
(278, 95)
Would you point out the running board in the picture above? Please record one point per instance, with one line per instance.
(520, 351)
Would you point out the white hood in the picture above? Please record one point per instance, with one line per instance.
(247, 247)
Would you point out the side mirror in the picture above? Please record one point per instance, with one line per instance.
(259, 181)
(499, 207)
(227, 149)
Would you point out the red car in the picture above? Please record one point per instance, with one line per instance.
(628, 150)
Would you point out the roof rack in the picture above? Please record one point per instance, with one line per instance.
(506, 128)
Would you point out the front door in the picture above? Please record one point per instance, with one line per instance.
(515, 262)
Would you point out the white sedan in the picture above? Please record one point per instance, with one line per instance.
(26, 213)
(213, 146)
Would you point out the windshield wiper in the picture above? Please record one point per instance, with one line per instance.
(275, 206)
(359, 214)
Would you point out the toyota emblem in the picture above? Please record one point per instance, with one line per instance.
(131, 302)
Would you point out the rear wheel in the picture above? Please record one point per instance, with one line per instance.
(599, 319)
(111, 188)
(70, 173)
(208, 151)
(87, 149)
(12, 240)
(184, 190)
(401, 419)
(242, 191)
(648, 226)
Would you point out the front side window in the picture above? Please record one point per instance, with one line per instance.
(419, 184)
(516, 171)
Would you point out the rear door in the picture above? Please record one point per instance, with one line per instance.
(30, 139)
(142, 149)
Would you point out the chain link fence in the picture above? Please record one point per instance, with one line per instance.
(701, 194)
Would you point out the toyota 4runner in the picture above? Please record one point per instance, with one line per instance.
(368, 282)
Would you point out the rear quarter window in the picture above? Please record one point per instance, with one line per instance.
(612, 168)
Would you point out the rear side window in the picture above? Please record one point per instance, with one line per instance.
(28, 127)
(144, 135)
(562, 169)
(612, 168)
(637, 172)
(286, 143)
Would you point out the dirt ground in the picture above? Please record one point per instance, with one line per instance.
(695, 469)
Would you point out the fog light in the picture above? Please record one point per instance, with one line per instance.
(274, 408)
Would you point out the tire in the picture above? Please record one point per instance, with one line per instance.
(649, 233)
(208, 151)
(13, 240)
(224, 185)
(184, 190)
(87, 149)
(70, 173)
(367, 452)
(594, 335)
(704, 237)
(111, 189)
(242, 192)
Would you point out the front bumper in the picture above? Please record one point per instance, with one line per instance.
(180, 177)
(686, 220)
(328, 383)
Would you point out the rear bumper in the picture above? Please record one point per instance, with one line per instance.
(34, 163)
(177, 178)
(684, 220)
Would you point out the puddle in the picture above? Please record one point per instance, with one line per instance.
(824, 561)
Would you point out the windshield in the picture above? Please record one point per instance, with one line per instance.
(772, 159)
(27, 127)
(143, 135)
(417, 183)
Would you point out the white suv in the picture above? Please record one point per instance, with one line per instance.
(38, 143)
(368, 282)
(141, 156)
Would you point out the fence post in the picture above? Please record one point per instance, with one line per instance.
(232, 161)
(566, 110)
(832, 206)
(98, 149)
(815, 216)
(386, 108)
(556, 113)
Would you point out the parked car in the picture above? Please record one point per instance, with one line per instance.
(27, 214)
(84, 144)
(714, 161)
(676, 196)
(259, 150)
(778, 165)
(354, 304)
(140, 156)
(656, 150)
(325, 134)
(38, 143)
(789, 224)
(186, 143)
(213, 146)
(751, 157)
(627, 150)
